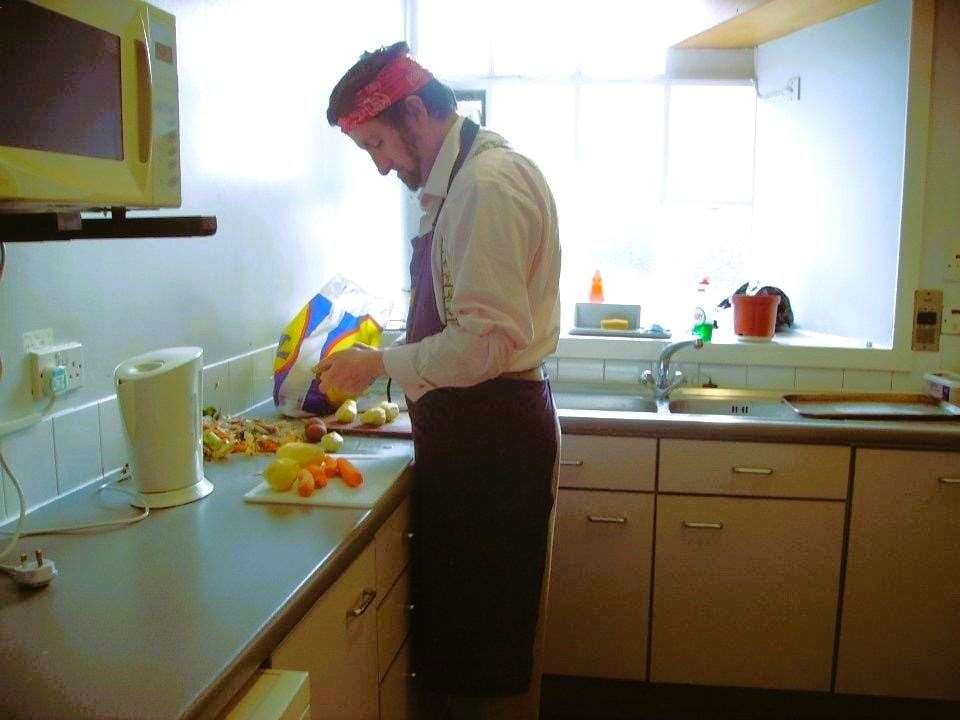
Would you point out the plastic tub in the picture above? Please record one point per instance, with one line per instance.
(755, 316)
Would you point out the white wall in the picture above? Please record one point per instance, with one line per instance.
(295, 202)
(941, 217)
(830, 169)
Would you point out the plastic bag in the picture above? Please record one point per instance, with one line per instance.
(339, 316)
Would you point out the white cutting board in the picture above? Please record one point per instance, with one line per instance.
(379, 473)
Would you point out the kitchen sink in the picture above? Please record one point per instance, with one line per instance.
(604, 401)
(733, 404)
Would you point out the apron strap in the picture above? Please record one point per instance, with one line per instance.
(468, 133)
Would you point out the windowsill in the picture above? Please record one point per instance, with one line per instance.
(789, 348)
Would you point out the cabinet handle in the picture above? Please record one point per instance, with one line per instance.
(607, 519)
(408, 536)
(702, 525)
(412, 677)
(411, 607)
(950, 481)
(572, 463)
(366, 599)
(752, 471)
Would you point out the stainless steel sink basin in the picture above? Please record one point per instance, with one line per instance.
(732, 404)
(603, 401)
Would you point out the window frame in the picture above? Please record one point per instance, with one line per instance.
(900, 356)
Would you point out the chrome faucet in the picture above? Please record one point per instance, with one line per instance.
(662, 384)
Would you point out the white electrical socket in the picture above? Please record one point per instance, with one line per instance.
(46, 359)
(36, 339)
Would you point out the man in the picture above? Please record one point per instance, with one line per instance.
(484, 313)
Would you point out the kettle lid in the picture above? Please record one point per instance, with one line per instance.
(155, 362)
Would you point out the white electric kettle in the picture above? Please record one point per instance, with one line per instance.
(159, 395)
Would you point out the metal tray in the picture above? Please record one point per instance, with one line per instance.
(871, 406)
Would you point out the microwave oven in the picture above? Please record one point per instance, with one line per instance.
(89, 115)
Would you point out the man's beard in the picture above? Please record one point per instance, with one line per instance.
(414, 178)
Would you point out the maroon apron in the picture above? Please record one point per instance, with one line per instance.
(481, 509)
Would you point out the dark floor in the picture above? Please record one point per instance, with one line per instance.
(586, 699)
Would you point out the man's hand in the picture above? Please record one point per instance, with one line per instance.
(349, 371)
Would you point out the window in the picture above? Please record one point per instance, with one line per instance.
(661, 181)
(653, 180)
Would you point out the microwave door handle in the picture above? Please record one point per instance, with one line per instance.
(144, 94)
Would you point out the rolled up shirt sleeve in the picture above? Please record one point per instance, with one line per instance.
(491, 232)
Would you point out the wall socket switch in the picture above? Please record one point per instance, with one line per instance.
(57, 369)
(951, 320)
(951, 272)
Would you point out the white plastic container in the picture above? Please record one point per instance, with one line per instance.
(944, 386)
(159, 396)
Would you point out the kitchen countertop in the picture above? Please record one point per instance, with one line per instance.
(169, 617)
(906, 434)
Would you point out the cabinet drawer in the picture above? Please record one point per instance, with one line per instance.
(746, 591)
(901, 605)
(393, 622)
(271, 695)
(397, 698)
(336, 643)
(599, 597)
(607, 463)
(715, 467)
(392, 545)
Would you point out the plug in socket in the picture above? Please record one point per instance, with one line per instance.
(67, 355)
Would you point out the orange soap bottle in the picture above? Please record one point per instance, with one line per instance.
(596, 288)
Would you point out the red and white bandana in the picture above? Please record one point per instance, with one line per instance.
(402, 77)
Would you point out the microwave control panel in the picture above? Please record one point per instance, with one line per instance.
(166, 109)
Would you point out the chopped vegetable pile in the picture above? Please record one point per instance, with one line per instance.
(253, 436)
(248, 436)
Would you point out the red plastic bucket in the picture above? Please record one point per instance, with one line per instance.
(755, 315)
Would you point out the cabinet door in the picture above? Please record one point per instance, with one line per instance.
(900, 630)
(397, 696)
(336, 642)
(745, 591)
(599, 597)
(392, 543)
(393, 622)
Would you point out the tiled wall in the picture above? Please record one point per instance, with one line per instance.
(758, 377)
(81, 445)
(78, 446)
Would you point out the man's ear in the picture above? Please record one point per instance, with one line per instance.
(416, 111)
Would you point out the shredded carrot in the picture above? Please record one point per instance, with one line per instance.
(349, 472)
(268, 445)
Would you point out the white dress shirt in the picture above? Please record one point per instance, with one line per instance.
(497, 233)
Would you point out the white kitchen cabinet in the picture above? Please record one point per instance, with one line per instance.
(599, 598)
(349, 639)
(336, 643)
(745, 591)
(900, 626)
(608, 463)
(713, 467)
